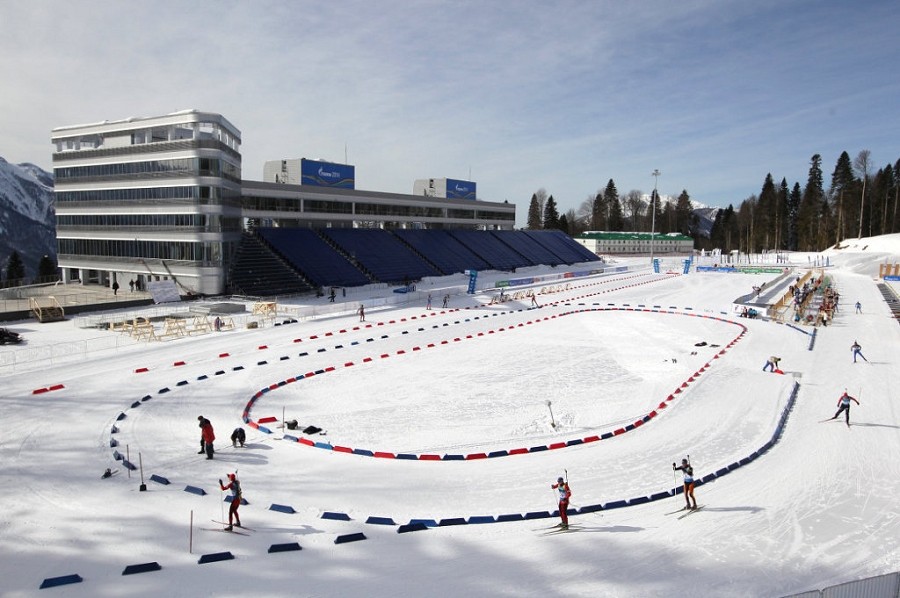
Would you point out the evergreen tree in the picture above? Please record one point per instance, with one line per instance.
(843, 185)
(599, 212)
(861, 164)
(551, 214)
(764, 221)
(614, 219)
(563, 224)
(534, 214)
(808, 229)
(794, 200)
(15, 270)
(781, 215)
(46, 270)
(684, 212)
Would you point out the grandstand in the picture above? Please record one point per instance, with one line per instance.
(351, 257)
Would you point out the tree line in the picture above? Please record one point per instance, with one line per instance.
(15, 271)
(857, 203)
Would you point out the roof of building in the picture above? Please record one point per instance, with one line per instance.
(632, 236)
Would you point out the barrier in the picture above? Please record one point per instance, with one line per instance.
(335, 516)
(216, 557)
(380, 521)
(52, 582)
(159, 479)
(350, 538)
(141, 568)
(282, 508)
(195, 490)
(286, 547)
(411, 527)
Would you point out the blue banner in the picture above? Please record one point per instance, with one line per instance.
(460, 189)
(473, 278)
(327, 174)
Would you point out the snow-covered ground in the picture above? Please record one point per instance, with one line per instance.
(820, 507)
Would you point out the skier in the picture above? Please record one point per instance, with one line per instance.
(844, 405)
(238, 436)
(235, 486)
(857, 350)
(688, 473)
(534, 302)
(362, 312)
(565, 493)
(772, 364)
(428, 305)
(207, 436)
(446, 300)
(858, 307)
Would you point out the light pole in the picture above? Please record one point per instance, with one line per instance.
(655, 175)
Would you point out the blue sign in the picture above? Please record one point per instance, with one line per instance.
(473, 279)
(460, 189)
(327, 174)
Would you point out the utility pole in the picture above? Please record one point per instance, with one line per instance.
(655, 174)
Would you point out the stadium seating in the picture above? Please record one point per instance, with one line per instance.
(310, 255)
(382, 254)
(441, 249)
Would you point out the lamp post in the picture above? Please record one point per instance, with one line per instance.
(655, 174)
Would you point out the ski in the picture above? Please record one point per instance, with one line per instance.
(221, 529)
(691, 512)
(561, 530)
(240, 526)
(682, 509)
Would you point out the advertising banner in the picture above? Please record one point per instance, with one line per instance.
(460, 189)
(327, 174)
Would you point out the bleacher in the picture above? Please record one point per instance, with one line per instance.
(569, 251)
(257, 271)
(498, 255)
(528, 247)
(310, 255)
(442, 250)
(382, 254)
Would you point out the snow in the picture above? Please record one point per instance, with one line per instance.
(819, 508)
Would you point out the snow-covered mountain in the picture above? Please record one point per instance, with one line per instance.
(27, 216)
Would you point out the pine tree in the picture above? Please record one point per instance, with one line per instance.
(563, 224)
(15, 270)
(843, 184)
(684, 212)
(781, 215)
(551, 215)
(808, 229)
(764, 226)
(794, 200)
(614, 220)
(599, 212)
(534, 214)
(46, 270)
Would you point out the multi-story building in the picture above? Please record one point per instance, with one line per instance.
(163, 198)
(602, 242)
(148, 198)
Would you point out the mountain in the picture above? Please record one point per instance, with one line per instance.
(705, 217)
(27, 215)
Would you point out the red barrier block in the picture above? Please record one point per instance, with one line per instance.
(273, 386)
(472, 456)
(329, 368)
(298, 340)
(401, 352)
(329, 334)
(313, 336)
(178, 363)
(556, 445)
(592, 439)
(619, 431)
(430, 345)
(266, 420)
(417, 348)
(456, 340)
(38, 391)
(141, 370)
(253, 425)
(638, 423)
(444, 342)
(684, 384)
(342, 449)
(224, 355)
(429, 457)
(518, 451)
(306, 441)
(383, 455)
(384, 355)
(309, 374)
(348, 364)
(652, 414)
(367, 359)
(343, 330)
(662, 406)
(56, 387)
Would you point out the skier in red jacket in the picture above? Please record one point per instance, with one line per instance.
(207, 436)
(565, 493)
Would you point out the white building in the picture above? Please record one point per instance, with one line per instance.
(148, 199)
(605, 243)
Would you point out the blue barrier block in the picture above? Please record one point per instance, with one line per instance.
(304, 354)
(263, 362)
(283, 358)
(453, 458)
(574, 442)
(744, 461)
(538, 515)
(52, 582)
(629, 427)
(228, 500)
(452, 521)
(614, 505)
(350, 538)
(722, 472)
(136, 404)
(320, 371)
(425, 522)
(181, 383)
(537, 449)
(282, 383)
(481, 519)
(322, 350)
(406, 456)
(163, 390)
(707, 478)
(264, 429)
(237, 368)
(606, 435)
(411, 527)
(113, 442)
(146, 398)
(117, 456)
(510, 517)
(282, 508)
(159, 479)
(141, 568)
(203, 377)
(660, 495)
(195, 490)
(219, 372)
(498, 454)
(339, 346)
(590, 509)
(380, 521)
(121, 417)
(289, 437)
(323, 445)
(216, 557)
(363, 452)
(638, 501)
(335, 516)
(286, 547)
(114, 430)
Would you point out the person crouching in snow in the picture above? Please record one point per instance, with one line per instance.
(238, 436)
(771, 364)
(565, 493)
(235, 486)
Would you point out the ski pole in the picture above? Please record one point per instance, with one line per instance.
(222, 503)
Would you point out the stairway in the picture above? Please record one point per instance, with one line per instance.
(257, 271)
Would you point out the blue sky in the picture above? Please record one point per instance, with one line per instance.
(515, 96)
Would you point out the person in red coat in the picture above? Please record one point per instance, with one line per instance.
(565, 493)
(207, 436)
